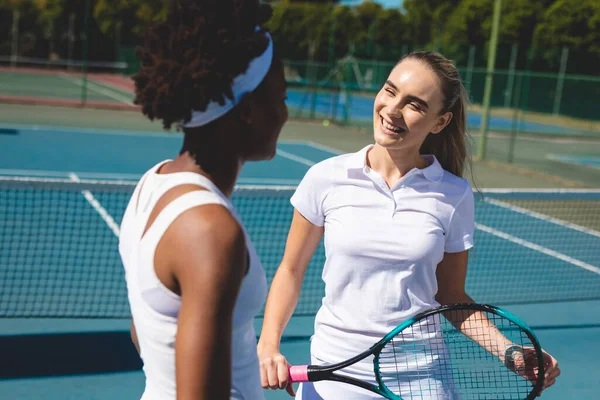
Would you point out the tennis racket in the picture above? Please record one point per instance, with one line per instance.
(494, 355)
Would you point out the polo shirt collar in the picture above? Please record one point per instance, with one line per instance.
(434, 172)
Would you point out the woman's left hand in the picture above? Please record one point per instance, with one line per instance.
(551, 371)
(525, 363)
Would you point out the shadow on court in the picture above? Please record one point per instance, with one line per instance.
(26, 356)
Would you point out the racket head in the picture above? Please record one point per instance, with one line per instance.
(427, 357)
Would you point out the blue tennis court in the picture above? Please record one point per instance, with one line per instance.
(65, 315)
(591, 162)
(360, 109)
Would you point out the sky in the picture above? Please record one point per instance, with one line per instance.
(384, 3)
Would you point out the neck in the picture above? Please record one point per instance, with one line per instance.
(210, 153)
(223, 174)
(393, 165)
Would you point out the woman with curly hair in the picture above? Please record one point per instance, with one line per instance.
(193, 277)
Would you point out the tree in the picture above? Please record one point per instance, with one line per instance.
(419, 19)
(296, 27)
(127, 18)
(36, 25)
(368, 13)
(470, 23)
(391, 35)
(574, 24)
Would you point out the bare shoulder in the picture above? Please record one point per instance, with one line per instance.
(212, 222)
(206, 242)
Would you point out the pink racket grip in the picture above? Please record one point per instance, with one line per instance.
(298, 373)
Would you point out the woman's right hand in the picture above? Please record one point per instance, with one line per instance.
(274, 369)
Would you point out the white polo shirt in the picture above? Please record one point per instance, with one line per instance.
(382, 248)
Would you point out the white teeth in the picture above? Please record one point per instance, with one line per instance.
(391, 127)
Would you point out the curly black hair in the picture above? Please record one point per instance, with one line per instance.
(192, 57)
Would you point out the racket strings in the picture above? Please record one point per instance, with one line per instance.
(433, 359)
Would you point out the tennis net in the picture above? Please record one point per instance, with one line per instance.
(59, 238)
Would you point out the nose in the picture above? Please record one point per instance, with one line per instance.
(394, 112)
(393, 106)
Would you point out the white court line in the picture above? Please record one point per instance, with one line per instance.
(543, 217)
(296, 158)
(89, 131)
(317, 146)
(268, 181)
(269, 188)
(33, 172)
(536, 247)
(64, 174)
(108, 219)
(97, 88)
(17, 179)
(124, 177)
(567, 161)
(521, 190)
(115, 88)
(328, 149)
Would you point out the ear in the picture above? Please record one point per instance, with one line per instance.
(442, 122)
(245, 108)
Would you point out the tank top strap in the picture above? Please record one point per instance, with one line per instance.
(177, 207)
(158, 184)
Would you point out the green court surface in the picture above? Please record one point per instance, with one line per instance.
(63, 86)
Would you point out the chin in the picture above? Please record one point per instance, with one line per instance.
(386, 140)
(263, 155)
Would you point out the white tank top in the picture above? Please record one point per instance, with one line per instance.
(155, 308)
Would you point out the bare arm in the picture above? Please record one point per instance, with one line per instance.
(206, 253)
(303, 239)
(134, 337)
(451, 277)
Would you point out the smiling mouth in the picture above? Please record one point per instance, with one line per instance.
(390, 128)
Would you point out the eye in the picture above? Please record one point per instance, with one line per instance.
(390, 91)
(415, 106)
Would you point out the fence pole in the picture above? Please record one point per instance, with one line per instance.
(15, 39)
(470, 66)
(561, 80)
(85, 51)
(516, 104)
(525, 100)
(312, 73)
(332, 40)
(347, 85)
(511, 75)
(489, 80)
(71, 40)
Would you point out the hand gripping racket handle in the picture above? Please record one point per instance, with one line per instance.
(298, 373)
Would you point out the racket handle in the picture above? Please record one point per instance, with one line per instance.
(298, 373)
